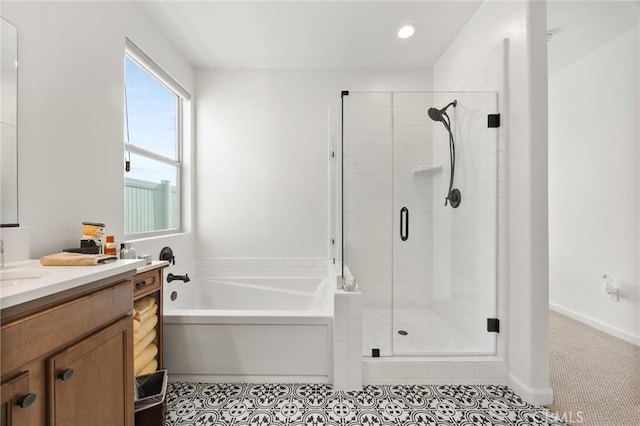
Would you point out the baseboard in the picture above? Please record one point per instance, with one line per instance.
(539, 396)
(616, 332)
(223, 378)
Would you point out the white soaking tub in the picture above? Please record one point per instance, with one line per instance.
(250, 330)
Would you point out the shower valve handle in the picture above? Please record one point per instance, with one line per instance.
(167, 254)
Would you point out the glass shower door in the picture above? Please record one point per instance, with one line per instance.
(444, 268)
(427, 272)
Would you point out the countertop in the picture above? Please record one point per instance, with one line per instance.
(153, 265)
(53, 279)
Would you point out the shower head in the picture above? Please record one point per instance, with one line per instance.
(436, 114)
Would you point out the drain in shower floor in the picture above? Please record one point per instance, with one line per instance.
(402, 332)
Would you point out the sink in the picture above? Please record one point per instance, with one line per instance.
(10, 278)
(21, 274)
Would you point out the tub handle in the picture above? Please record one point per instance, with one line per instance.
(404, 224)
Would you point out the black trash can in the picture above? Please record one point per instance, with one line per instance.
(150, 404)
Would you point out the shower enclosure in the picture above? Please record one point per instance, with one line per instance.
(427, 270)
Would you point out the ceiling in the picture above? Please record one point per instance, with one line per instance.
(579, 27)
(310, 34)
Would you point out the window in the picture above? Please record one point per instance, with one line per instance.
(153, 147)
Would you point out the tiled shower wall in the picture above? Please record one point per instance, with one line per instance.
(469, 240)
(412, 188)
(254, 267)
(386, 137)
(367, 192)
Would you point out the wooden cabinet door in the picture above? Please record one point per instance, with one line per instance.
(88, 380)
(16, 401)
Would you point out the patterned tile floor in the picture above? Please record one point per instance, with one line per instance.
(319, 405)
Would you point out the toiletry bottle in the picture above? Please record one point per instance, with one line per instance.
(127, 252)
(110, 246)
(131, 252)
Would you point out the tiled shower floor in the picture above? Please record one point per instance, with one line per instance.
(319, 405)
(427, 333)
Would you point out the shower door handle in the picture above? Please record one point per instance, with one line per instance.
(404, 224)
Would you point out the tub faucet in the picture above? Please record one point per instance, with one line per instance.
(171, 277)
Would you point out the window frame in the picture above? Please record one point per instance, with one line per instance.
(145, 63)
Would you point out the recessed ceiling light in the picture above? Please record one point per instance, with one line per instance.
(406, 31)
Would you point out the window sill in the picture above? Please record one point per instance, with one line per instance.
(152, 236)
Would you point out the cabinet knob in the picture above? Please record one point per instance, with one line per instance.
(66, 374)
(27, 400)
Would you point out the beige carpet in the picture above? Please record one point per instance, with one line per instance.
(595, 377)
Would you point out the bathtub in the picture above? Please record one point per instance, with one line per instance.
(250, 330)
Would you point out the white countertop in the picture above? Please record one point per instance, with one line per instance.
(153, 265)
(53, 279)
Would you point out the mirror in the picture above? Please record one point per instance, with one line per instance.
(9, 123)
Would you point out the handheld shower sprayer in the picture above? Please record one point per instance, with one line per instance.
(437, 114)
(453, 196)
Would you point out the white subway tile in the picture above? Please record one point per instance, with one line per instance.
(370, 99)
(385, 381)
(340, 365)
(320, 263)
(372, 370)
(354, 339)
(451, 370)
(341, 306)
(206, 272)
(406, 369)
(287, 271)
(355, 377)
(355, 306)
(299, 262)
(270, 262)
(401, 121)
(223, 262)
(239, 271)
(404, 110)
(320, 271)
(412, 99)
(341, 381)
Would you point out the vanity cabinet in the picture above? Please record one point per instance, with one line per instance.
(15, 399)
(67, 359)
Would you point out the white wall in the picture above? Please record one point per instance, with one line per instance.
(263, 157)
(70, 117)
(593, 186)
(525, 297)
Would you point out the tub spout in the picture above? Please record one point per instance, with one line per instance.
(185, 278)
